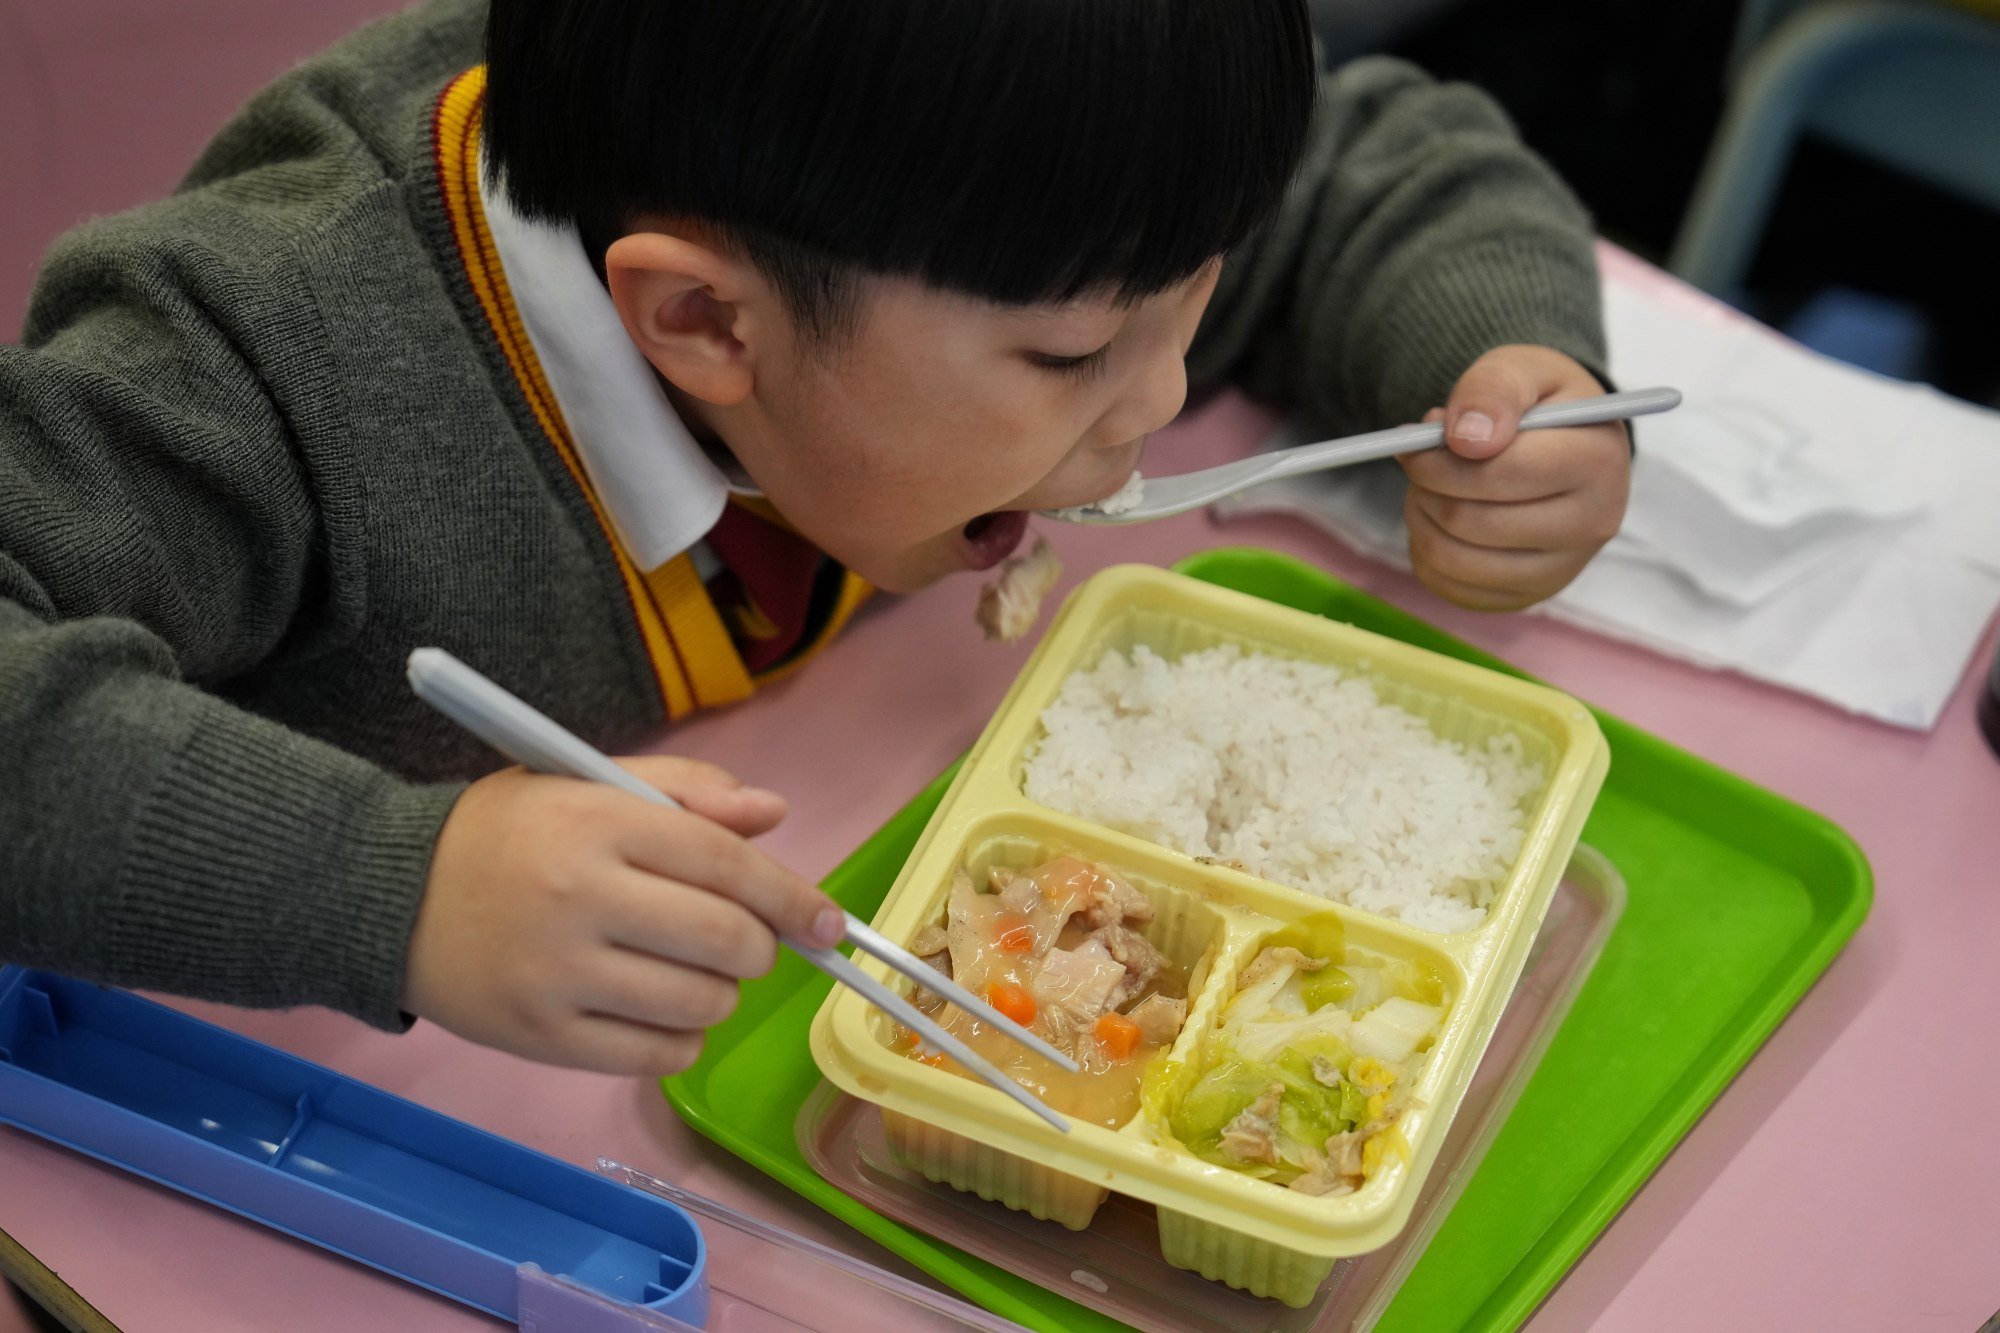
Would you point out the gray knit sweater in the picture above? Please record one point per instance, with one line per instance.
(257, 443)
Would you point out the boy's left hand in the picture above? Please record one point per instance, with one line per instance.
(1498, 522)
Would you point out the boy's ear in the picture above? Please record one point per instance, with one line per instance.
(684, 305)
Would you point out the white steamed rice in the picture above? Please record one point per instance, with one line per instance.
(1293, 769)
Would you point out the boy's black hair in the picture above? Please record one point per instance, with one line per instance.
(1023, 151)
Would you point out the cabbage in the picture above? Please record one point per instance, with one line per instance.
(1254, 1002)
(1393, 1029)
(1308, 1115)
(1329, 985)
(1277, 1029)
(1416, 981)
(1268, 1041)
(1217, 1097)
(1321, 935)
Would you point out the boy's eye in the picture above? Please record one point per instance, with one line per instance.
(1082, 367)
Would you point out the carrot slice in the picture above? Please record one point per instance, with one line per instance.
(1117, 1034)
(1012, 1001)
(1015, 936)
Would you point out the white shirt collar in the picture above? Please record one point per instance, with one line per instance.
(661, 490)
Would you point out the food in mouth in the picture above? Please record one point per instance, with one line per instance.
(1126, 497)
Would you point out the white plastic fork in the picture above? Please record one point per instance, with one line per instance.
(1164, 497)
(534, 740)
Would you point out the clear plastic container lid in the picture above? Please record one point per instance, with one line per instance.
(763, 1279)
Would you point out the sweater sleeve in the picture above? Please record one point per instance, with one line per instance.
(1418, 234)
(158, 538)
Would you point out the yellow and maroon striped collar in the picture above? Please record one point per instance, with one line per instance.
(694, 660)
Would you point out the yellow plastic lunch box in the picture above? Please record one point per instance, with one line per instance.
(1211, 919)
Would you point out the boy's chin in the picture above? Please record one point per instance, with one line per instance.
(911, 578)
(918, 568)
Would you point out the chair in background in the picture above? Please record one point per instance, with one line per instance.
(1913, 86)
(1350, 28)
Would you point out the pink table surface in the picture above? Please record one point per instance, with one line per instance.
(1847, 1180)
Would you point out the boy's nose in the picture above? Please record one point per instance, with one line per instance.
(1153, 398)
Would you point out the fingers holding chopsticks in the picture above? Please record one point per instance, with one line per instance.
(711, 792)
(554, 854)
(701, 847)
(567, 922)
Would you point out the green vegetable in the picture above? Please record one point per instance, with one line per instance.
(1416, 981)
(1298, 1058)
(1309, 1112)
(1321, 935)
(1276, 1030)
(1353, 1104)
(1327, 986)
(1217, 1098)
(1307, 1120)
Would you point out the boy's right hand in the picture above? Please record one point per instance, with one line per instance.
(571, 923)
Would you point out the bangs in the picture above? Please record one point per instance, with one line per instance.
(1023, 151)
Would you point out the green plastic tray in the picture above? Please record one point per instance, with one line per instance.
(1737, 901)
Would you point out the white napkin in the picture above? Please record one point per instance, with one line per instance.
(1796, 519)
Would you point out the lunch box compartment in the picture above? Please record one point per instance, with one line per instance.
(1542, 725)
(1224, 1254)
(1186, 930)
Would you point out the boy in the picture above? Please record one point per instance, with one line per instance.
(430, 353)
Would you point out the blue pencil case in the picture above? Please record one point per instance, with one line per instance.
(421, 1196)
(334, 1161)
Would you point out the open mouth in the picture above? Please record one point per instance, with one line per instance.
(991, 538)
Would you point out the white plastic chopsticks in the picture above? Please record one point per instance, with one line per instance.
(537, 741)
